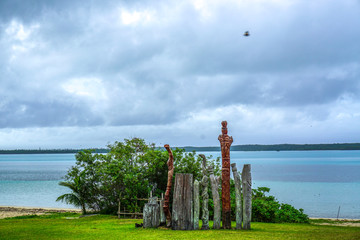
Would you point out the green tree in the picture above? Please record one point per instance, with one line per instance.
(129, 171)
(268, 209)
(78, 195)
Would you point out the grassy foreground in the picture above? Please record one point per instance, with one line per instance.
(70, 226)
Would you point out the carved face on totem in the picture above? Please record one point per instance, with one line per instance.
(224, 130)
(225, 141)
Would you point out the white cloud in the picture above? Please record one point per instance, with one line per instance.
(16, 31)
(135, 17)
(91, 88)
(19, 38)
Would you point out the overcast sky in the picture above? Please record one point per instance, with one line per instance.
(88, 73)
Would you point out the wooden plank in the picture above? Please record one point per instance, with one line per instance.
(216, 198)
(128, 213)
(247, 205)
(204, 195)
(182, 211)
(238, 203)
(151, 214)
(196, 205)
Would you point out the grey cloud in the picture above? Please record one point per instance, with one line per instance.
(45, 114)
(282, 41)
(28, 10)
(35, 9)
(160, 72)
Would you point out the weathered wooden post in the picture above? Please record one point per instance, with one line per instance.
(162, 214)
(196, 205)
(216, 199)
(205, 195)
(247, 205)
(225, 143)
(166, 207)
(182, 211)
(238, 206)
(151, 214)
(119, 206)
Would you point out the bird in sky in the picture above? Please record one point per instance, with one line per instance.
(246, 34)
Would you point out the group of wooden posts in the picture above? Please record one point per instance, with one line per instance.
(186, 198)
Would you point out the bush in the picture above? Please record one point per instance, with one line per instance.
(288, 213)
(268, 209)
(129, 171)
(132, 168)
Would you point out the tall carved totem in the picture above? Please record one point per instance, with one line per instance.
(166, 206)
(225, 143)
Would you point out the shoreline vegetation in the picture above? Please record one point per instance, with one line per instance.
(247, 147)
(16, 211)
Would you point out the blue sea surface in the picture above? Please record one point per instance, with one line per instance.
(318, 181)
(31, 180)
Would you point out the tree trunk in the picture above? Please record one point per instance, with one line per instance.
(247, 206)
(182, 214)
(119, 206)
(83, 209)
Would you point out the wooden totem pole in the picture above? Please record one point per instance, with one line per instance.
(205, 195)
(166, 207)
(225, 143)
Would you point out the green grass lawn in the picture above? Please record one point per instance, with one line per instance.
(69, 226)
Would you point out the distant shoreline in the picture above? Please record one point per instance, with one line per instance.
(282, 147)
(12, 211)
(248, 147)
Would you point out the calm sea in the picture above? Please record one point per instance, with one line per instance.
(318, 181)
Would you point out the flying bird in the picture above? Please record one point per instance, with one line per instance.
(246, 34)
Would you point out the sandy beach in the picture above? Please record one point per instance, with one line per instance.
(339, 222)
(8, 211)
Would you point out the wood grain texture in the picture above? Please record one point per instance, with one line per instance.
(247, 204)
(225, 143)
(204, 195)
(216, 198)
(196, 205)
(238, 202)
(151, 214)
(166, 205)
(182, 212)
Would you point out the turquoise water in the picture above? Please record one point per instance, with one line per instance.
(32, 179)
(317, 181)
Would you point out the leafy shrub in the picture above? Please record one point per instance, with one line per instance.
(129, 171)
(268, 209)
(288, 213)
